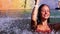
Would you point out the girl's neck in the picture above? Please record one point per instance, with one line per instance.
(44, 22)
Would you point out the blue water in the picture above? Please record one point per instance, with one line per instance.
(17, 22)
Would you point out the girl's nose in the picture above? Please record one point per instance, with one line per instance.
(45, 12)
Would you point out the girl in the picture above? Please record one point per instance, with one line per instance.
(40, 17)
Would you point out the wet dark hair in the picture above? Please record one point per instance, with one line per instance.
(39, 14)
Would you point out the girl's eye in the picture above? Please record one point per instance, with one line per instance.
(43, 10)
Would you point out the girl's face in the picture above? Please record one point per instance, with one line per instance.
(45, 12)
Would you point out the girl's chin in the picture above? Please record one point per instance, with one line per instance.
(46, 18)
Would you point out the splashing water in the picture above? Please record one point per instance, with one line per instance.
(16, 26)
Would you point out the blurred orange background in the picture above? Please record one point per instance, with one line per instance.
(15, 4)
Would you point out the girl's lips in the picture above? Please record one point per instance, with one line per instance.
(45, 15)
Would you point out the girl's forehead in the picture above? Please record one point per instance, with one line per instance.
(45, 7)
